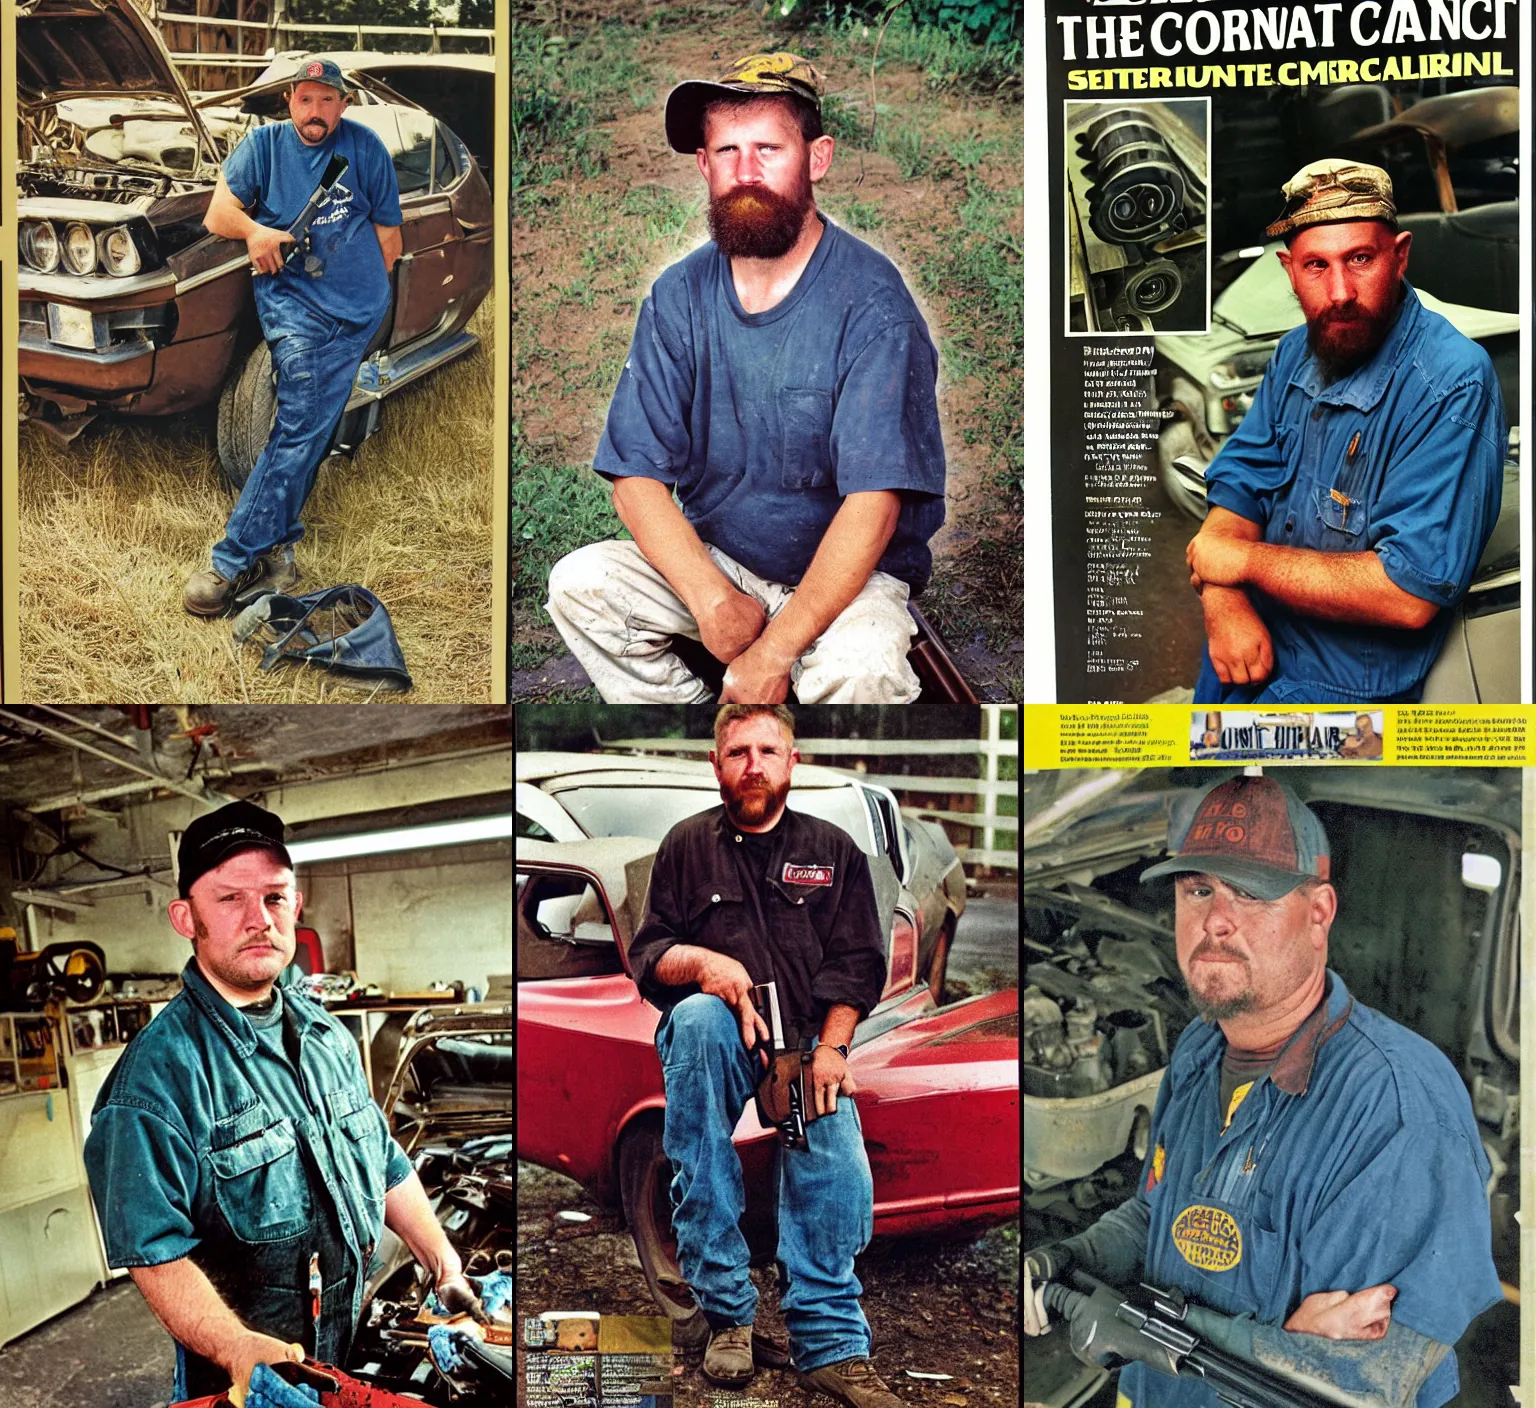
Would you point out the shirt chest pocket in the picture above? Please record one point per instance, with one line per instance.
(1341, 490)
(805, 428)
(352, 1111)
(258, 1179)
(715, 914)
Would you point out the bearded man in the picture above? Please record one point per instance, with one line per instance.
(1350, 506)
(781, 384)
(748, 893)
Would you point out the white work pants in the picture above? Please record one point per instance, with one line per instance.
(617, 614)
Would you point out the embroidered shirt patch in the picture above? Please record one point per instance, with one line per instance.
(807, 874)
(1208, 1238)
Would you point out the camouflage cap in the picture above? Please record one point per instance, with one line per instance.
(1333, 190)
(757, 75)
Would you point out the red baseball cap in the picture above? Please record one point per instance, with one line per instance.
(1252, 832)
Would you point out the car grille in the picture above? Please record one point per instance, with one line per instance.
(103, 333)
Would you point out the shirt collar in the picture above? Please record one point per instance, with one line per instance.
(1292, 1071)
(1367, 384)
(726, 831)
(226, 1017)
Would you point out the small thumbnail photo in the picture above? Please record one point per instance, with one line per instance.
(1137, 257)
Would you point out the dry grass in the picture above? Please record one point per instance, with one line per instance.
(112, 526)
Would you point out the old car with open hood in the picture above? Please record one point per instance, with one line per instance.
(129, 306)
(938, 1086)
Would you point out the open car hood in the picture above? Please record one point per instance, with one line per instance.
(91, 48)
(95, 49)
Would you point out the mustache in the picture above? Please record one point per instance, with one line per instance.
(1211, 951)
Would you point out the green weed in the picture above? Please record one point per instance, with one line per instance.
(913, 156)
(856, 214)
(949, 58)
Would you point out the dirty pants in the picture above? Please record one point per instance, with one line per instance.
(617, 614)
(316, 359)
(826, 1194)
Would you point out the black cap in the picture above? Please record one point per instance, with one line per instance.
(212, 839)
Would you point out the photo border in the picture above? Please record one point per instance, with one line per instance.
(499, 642)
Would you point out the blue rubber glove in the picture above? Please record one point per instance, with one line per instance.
(495, 1291)
(269, 1391)
(443, 1344)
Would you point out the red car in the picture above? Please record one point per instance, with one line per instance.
(938, 1087)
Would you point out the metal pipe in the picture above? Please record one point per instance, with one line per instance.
(174, 784)
(94, 728)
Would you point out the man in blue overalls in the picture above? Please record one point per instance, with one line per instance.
(1350, 506)
(240, 1168)
(1316, 1181)
(318, 313)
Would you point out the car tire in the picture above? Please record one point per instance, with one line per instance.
(247, 411)
(645, 1174)
(938, 965)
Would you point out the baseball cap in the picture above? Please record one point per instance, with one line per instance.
(313, 70)
(1333, 190)
(212, 839)
(756, 75)
(1252, 832)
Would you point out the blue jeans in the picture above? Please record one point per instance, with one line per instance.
(316, 358)
(826, 1196)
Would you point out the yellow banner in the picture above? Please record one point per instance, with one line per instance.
(1161, 735)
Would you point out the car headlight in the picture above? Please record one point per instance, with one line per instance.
(40, 245)
(119, 254)
(79, 249)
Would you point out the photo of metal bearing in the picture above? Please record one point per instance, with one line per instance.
(1138, 192)
(1153, 286)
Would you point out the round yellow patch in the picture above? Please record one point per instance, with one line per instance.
(1208, 1238)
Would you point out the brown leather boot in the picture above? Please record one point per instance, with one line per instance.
(854, 1382)
(728, 1360)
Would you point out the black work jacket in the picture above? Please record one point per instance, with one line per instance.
(809, 924)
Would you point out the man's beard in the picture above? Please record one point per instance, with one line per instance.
(1221, 1008)
(314, 130)
(1347, 337)
(753, 222)
(753, 802)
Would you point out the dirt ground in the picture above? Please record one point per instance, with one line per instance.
(112, 524)
(581, 267)
(936, 1308)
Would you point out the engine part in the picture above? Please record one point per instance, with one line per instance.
(1139, 189)
(1153, 286)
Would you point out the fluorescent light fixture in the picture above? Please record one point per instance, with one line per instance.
(405, 838)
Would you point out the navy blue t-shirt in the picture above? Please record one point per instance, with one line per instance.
(276, 172)
(764, 422)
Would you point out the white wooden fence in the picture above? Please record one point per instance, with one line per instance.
(280, 35)
(990, 748)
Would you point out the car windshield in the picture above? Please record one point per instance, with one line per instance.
(652, 810)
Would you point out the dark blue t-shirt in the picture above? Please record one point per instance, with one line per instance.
(276, 172)
(764, 422)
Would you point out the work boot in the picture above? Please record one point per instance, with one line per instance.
(854, 1382)
(728, 1360)
(276, 571)
(210, 593)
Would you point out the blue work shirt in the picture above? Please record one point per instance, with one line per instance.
(274, 171)
(1404, 457)
(764, 422)
(1355, 1162)
(210, 1143)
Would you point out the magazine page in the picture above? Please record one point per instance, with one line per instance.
(1283, 339)
(1240, 974)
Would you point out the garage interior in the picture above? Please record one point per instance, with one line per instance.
(399, 825)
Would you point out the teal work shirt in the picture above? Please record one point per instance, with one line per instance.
(249, 1156)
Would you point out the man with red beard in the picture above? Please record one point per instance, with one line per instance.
(781, 383)
(750, 893)
(1350, 506)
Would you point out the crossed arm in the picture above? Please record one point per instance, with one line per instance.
(732, 625)
(1227, 556)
